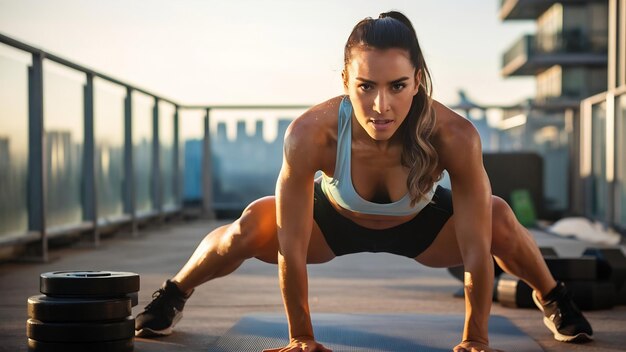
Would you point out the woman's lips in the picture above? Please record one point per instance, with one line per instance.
(381, 124)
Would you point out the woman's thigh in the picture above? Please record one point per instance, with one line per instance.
(261, 214)
(444, 251)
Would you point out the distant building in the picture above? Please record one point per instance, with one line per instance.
(602, 150)
(568, 58)
(244, 169)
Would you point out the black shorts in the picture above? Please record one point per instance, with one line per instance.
(409, 239)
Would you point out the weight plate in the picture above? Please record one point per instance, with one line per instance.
(134, 298)
(548, 251)
(126, 345)
(63, 309)
(80, 332)
(592, 295)
(572, 269)
(611, 264)
(88, 283)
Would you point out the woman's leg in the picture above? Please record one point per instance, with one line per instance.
(219, 254)
(252, 235)
(512, 245)
(516, 252)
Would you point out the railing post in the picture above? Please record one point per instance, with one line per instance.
(156, 161)
(176, 177)
(36, 156)
(207, 171)
(129, 171)
(90, 196)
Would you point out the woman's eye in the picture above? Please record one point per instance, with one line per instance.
(398, 86)
(365, 87)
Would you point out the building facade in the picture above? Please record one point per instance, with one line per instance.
(602, 170)
(568, 57)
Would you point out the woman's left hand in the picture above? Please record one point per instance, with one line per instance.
(471, 346)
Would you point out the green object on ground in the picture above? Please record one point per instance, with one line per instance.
(523, 207)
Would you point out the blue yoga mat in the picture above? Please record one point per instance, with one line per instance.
(371, 332)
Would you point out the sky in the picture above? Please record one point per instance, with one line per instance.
(201, 52)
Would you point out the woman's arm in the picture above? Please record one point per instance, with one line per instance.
(294, 216)
(461, 154)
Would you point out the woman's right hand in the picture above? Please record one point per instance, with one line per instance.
(301, 345)
(471, 346)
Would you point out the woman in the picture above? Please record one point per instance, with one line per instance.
(382, 147)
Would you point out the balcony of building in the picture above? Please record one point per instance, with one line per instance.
(532, 54)
(530, 9)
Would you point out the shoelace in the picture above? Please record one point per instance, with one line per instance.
(565, 306)
(157, 298)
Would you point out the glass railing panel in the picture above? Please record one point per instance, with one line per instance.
(620, 175)
(166, 138)
(247, 154)
(598, 161)
(13, 140)
(109, 147)
(63, 143)
(142, 112)
(191, 134)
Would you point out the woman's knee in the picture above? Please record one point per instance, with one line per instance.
(504, 227)
(253, 231)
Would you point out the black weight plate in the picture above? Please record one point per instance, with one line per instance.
(592, 295)
(63, 309)
(548, 251)
(572, 269)
(88, 283)
(514, 293)
(611, 264)
(126, 345)
(80, 332)
(621, 296)
(134, 298)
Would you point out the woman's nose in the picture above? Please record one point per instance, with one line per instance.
(380, 102)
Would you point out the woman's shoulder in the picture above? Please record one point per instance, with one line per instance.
(452, 127)
(317, 123)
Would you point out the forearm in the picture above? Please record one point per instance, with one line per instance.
(294, 288)
(478, 286)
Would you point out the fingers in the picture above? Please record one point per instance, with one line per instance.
(300, 347)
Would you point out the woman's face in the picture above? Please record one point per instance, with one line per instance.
(381, 85)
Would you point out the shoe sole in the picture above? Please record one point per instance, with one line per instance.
(578, 338)
(147, 332)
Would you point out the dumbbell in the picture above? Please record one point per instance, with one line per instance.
(458, 273)
(580, 276)
(587, 295)
(611, 266)
(83, 311)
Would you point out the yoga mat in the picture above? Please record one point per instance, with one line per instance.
(371, 332)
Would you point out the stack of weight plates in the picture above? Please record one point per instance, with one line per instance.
(83, 311)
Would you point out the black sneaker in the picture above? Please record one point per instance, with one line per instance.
(562, 316)
(160, 315)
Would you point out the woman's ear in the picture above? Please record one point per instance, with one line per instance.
(344, 78)
(418, 81)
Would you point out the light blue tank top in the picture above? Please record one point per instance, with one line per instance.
(340, 188)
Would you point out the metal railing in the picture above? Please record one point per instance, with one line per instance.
(37, 226)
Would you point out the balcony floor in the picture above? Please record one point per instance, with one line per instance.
(363, 283)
